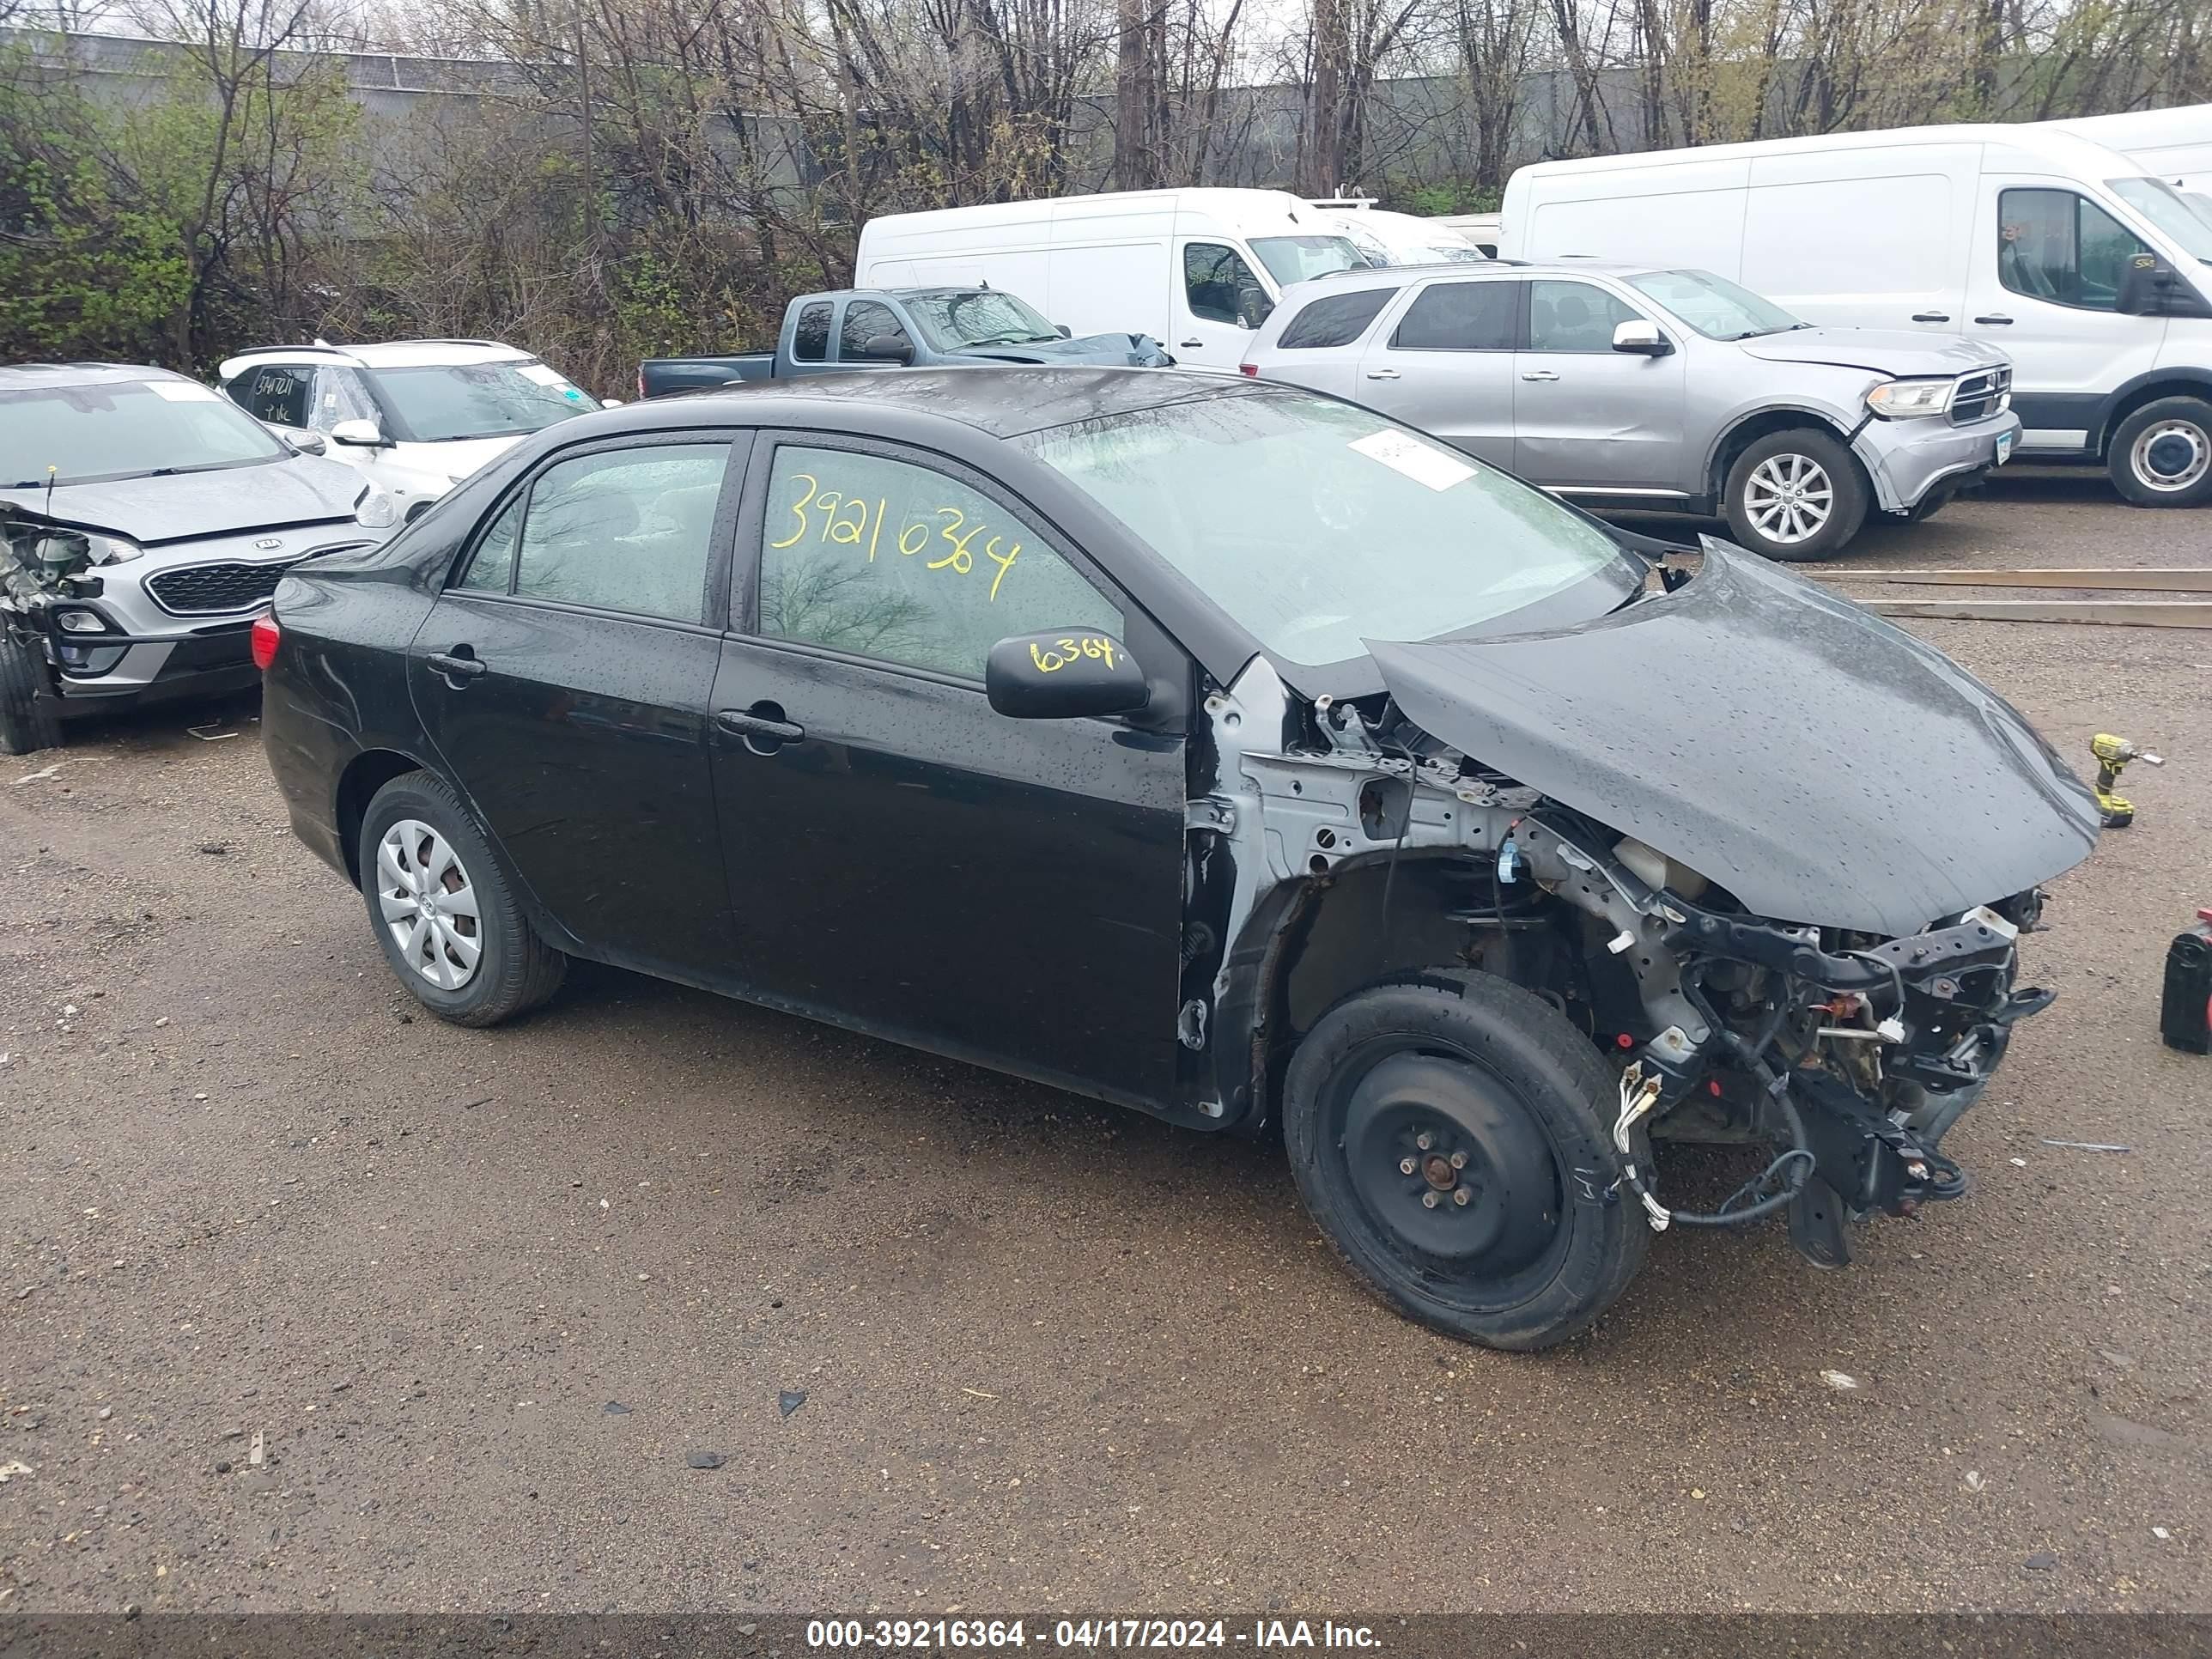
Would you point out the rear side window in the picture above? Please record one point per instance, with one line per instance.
(2053, 245)
(809, 340)
(1335, 320)
(1460, 317)
(277, 393)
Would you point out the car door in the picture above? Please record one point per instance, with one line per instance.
(2048, 263)
(1215, 311)
(1444, 361)
(902, 859)
(1587, 418)
(564, 674)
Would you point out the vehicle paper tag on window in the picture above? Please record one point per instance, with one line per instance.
(1417, 460)
(185, 391)
(542, 374)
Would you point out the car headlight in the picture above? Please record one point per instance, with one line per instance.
(113, 549)
(1899, 400)
(375, 509)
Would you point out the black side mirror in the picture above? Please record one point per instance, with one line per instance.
(2149, 288)
(1066, 333)
(887, 348)
(1063, 674)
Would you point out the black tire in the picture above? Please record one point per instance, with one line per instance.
(28, 721)
(514, 970)
(2162, 455)
(1844, 499)
(1487, 1070)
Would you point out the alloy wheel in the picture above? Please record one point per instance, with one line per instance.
(1788, 498)
(429, 904)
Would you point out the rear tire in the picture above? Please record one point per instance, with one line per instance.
(2162, 455)
(444, 908)
(28, 721)
(1797, 496)
(1482, 1088)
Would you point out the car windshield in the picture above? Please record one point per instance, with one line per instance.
(2182, 215)
(1316, 525)
(986, 317)
(1296, 258)
(124, 429)
(1714, 305)
(446, 403)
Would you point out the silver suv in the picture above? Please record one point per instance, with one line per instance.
(1631, 388)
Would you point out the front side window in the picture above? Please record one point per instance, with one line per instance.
(869, 322)
(1334, 319)
(2054, 244)
(1221, 287)
(631, 530)
(810, 335)
(1574, 317)
(340, 395)
(882, 558)
(1460, 317)
(283, 394)
(978, 317)
(124, 429)
(1275, 507)
(1715, 306)
(491, 566)
(453, 403)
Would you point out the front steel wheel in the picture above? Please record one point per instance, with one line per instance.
(2162, 455)
(1449, 1135)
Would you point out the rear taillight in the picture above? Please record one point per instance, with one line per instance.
(265, 638)
(1250, 371)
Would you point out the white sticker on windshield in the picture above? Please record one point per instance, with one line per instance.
(1422, 463)
(184, 391)
(542, 374)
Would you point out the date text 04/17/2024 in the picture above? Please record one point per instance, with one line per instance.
(1098, 1633)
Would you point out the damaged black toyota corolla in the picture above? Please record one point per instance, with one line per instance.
(1214, 748)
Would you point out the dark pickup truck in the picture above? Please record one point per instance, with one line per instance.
(895, 328)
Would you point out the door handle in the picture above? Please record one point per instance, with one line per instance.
(1382, 374)
(1994, 317)
(459, 667)
(1931, 316)
(1191, 345)
(763, 726)
(1539, 374)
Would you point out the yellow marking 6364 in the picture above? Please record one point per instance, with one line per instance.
(1096, 646)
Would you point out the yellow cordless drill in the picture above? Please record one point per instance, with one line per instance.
(2112, 755)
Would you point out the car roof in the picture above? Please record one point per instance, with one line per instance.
(1002, 403)
(31, 377)
(1336, 282)
(388, 354)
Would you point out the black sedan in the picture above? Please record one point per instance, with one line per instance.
(1216, 749)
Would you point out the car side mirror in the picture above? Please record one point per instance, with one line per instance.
(2149, 288)
(887, 348)
(358, 434)
(1642, 338)
(611, 403)
(1252, 308)
(304, 443)
(1065, 332)
(1063, 673)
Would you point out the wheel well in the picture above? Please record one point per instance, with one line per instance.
(1748, 431)
(366, 774)
(2148, 394)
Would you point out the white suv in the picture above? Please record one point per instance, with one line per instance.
(416, 417)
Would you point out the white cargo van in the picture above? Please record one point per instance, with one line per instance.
(1389, 238)
(2172, 145)
(1198, 270)
(2090, 274)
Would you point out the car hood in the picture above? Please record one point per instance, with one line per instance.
(1824, 767)
(189, 506)
(1881, 351)
(1125, 350)
(455, 460)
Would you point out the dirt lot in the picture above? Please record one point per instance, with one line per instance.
(963, 1341)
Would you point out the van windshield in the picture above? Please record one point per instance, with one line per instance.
(1297, 258)
(2183, 214)
(1714, 305)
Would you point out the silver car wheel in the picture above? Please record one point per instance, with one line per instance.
(2170, 456)
(429, 904)
(1788, 498)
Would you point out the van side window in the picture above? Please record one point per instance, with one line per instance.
(2054, 244)
(1574, 317)
(1335, 320)
(1461, 317)
(810, 339)
(1216, 279)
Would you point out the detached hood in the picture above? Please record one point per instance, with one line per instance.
(191, 506)
(1883, 351)
(1122, 351)
(1823, 765)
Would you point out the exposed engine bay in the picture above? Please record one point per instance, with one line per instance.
(1846, 1052)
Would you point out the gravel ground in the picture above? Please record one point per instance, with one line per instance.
(960, 1341)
